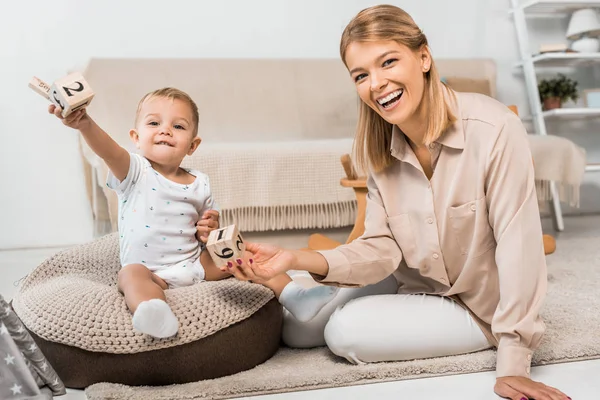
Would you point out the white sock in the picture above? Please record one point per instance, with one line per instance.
(155, 318)
(305, 304)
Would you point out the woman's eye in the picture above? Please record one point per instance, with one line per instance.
(359, 77)
(388, 62)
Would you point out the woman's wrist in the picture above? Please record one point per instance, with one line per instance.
(310, 261)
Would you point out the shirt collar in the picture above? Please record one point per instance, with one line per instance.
(453, 137)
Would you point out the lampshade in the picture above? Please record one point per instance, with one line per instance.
(583, 22)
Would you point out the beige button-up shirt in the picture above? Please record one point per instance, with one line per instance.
(472, 232)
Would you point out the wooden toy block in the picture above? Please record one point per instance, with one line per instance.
(71, 93)
(225, 244)
(40, 87)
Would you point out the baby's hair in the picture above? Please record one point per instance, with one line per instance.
(173, 94)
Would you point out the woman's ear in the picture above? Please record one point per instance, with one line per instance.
(425, 59)
(135, 138)
(194, 145)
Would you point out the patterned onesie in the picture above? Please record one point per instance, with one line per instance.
(157, 221)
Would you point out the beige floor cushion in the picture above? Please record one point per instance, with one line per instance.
(71, 307)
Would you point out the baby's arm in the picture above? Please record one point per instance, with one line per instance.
(115, 156)
(211, 271)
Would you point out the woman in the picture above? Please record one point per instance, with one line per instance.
(451, 260)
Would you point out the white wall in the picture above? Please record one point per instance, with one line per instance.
(43, 201)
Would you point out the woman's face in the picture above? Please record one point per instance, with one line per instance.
(389, 77)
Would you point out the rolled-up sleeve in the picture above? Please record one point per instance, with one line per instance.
(514, 216)
(370, 258)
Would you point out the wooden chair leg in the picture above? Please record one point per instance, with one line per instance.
(549, 244)
(359, 223)
(318, 241)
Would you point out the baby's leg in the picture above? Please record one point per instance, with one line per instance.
(138, 284)
(302, 303)
(145, 298)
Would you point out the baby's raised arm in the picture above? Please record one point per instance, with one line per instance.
(115, 156)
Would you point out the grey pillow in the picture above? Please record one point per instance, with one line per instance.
(24, 371)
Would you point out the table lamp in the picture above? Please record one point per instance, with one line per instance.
(584, 30)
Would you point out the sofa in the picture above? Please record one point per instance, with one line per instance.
(273, 132)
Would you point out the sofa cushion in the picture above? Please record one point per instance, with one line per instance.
(72, 308)
(473, 85)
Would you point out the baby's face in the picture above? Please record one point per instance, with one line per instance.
(165, 132)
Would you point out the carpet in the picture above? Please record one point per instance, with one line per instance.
(570, 312)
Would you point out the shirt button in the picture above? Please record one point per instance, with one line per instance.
(430, 220)
(473, 208)
(432, 145)
(529, 357)
(528, 370)
(436, 256)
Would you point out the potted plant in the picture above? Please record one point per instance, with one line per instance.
(554, 92)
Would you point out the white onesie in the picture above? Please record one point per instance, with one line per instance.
(157, 221)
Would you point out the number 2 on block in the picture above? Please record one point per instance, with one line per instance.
(68, 90)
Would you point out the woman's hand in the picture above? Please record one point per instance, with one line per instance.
(262, 262)
(208, 223)
(521, 388)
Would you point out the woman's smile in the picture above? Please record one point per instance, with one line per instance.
(389, 101)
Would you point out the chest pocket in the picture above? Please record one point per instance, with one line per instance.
(471, 228)
(404, 234)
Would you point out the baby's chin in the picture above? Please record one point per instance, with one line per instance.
(164, 160)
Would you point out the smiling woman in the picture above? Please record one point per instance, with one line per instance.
(459, 257)
(373, 54)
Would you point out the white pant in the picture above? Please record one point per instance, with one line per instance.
(373, 323)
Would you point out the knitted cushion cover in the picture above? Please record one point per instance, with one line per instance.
(71, 305)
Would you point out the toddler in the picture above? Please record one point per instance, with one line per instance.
(166, 212)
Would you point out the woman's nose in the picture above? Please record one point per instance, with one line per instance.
(378, 82)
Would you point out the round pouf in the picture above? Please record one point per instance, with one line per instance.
(72, 308)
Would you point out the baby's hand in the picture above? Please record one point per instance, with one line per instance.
(208, 223)
(74, 120)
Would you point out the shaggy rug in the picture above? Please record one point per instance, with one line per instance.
(570, 312)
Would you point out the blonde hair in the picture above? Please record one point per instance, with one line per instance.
(374, 134)
(172, 94)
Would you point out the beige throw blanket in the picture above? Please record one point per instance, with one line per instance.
(560, 160)
(279, 185)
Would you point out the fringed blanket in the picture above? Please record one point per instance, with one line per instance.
(560, 160)
(279, 185)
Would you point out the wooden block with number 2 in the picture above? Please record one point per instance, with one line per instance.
(71, 93)
(225, 245)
